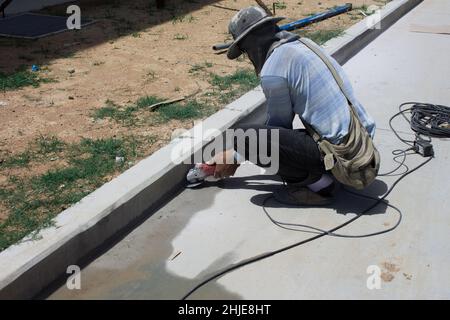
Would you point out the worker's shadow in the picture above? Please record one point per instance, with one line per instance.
(347, 200)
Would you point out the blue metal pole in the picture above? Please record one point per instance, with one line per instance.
(316, 17)
(302, 22)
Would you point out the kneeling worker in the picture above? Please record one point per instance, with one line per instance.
(298, 77)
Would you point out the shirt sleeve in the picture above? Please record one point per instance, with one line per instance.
(279, 106)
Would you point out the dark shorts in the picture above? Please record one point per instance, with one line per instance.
(299, 156)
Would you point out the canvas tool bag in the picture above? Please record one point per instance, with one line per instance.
(355, 161)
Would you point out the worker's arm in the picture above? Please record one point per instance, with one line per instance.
(225, 163)
(279, 106)
(280, 114)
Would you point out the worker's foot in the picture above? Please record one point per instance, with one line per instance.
(302, 196)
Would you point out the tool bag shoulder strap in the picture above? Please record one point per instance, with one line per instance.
(355, 161)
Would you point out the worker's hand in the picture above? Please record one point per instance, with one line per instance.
(225, 165)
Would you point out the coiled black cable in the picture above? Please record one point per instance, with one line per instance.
(432, 120)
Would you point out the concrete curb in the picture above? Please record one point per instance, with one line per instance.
(29, 267)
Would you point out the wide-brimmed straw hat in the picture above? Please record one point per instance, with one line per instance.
(243, 23)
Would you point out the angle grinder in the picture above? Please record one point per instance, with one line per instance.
(199, 173)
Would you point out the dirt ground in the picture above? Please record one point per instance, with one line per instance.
(132, 50)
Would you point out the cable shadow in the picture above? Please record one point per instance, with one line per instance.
(254, 182)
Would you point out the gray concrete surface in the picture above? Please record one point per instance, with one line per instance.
(201, 231)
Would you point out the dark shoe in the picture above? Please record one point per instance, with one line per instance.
(302, 196)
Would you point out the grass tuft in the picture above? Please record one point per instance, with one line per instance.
(280, 5)
(33, 202)
(48, 145)
(180, 36)
(128, 115)
(229, 87)
(147, 101)
(18, 160)
(20, 78)
(200, 67)
(189, 110)
(245, 79)
(321, 36)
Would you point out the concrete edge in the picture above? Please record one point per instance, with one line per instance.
(362, 33)
(31, 265)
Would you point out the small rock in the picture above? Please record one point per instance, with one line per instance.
(54, 159)
(3, 103)
(407, 276)
(371, 9)
(120, 159)
(71, 98)
(71, 71)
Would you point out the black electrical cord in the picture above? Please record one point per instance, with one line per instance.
(397, 154)
(432, 120)
(316, 230)
(427, 119)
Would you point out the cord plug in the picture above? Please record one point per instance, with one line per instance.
(423, 147)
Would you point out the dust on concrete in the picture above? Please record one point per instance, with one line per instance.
(387, 277)
(389, 271)
(391, 267)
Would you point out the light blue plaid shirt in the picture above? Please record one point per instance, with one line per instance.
(296, 81)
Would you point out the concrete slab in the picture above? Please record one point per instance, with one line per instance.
(201, 231)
